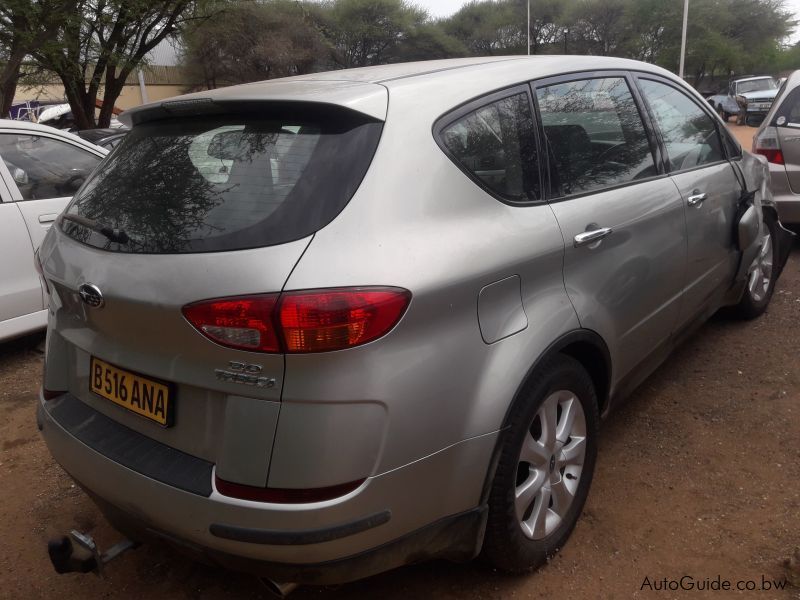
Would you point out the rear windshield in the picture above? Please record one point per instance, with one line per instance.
(227, 183)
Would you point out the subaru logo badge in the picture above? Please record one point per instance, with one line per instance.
(91, 295)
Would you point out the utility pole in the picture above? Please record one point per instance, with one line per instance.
(683, 36)
(529, 27)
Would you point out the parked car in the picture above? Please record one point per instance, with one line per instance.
(749, 98)
(777, 139)
(41, 168)
(320, 327)
(105, 137)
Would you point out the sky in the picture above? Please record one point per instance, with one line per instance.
(791, 5)
(445, 8)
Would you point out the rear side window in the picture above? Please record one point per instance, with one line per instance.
(595, 135)
(227, 183)
(788, 107)
(689, 134)
(43, 167)
(495, 145)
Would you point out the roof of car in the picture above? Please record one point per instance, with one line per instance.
(32, 128)
(365, 89)
(753, 78)
(28, 125)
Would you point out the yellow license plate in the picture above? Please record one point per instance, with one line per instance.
(142, 395)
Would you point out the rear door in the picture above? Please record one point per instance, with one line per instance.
(20, 287)
(44, 171)
(621, 217)
(708, 185)
(187, 211)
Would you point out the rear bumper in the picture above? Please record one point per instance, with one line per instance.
(429, 508)
(788, 208)
(453, 538)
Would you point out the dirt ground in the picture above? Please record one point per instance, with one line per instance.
(698, 475)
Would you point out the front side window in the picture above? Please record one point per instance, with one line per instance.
(494, 145)
(43, 167)
(595, 135)
(689, 134)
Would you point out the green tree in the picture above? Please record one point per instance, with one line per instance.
(367, 32)
(488, 28)
(249, 41)
(24, 26)
(101, 43)
(599, 26)
(427, 41)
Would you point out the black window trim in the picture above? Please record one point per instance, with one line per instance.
(655, 147)
(470, 106)
(703, 106)
(783, 109)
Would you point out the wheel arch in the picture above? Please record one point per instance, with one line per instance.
(589, 349)
(585, 346)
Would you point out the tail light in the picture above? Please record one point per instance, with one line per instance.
(245, 323)
(52, 394)
(300, 322)
(767, 144)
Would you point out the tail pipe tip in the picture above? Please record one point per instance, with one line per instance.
(278, 589)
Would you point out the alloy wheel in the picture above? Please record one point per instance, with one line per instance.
(550, 464)
(761, 270)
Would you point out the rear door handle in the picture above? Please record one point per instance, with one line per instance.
(595, 235)
(48, 218)
(696, 199)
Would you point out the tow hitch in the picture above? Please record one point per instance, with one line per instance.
(78, 553)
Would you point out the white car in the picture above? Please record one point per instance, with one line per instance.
(40, 170)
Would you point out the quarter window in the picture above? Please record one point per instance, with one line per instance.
(595, 135)
(689, 134)
(494, 144)
(43, 167)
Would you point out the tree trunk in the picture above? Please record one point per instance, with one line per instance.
(73, 89)
(8, 80)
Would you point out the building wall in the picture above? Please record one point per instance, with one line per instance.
(130, 97)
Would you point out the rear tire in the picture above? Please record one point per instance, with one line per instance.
(761, 274)
(545, 468)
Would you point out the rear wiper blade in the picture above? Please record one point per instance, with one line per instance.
(113, 234)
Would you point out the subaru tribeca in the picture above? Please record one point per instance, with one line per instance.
(320, 327)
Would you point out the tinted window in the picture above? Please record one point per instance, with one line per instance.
(43, 167)
(789, 107)
(495, 145)
(756, 85)
(689, 134)
(232, 182)
(595, 135)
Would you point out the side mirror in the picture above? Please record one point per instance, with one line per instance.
(747, 228)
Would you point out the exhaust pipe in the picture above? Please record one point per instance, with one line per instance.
(278, 589)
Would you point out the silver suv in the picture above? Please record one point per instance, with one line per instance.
(777, 139)
(320, 327)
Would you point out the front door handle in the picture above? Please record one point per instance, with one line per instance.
(49, 218)
(588, 237)
(696, 199)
